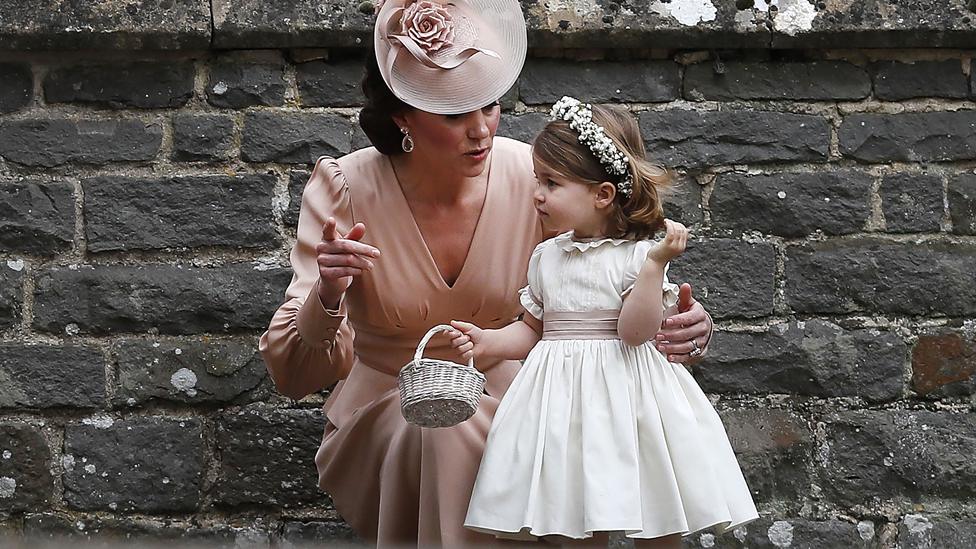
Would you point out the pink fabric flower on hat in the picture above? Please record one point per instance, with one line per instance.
(428, 24)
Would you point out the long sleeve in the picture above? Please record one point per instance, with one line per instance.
(308, 347)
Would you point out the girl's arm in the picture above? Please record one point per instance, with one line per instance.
(642, 310)
(513, 342)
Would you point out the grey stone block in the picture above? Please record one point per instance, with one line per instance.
(912, 202)
(124, 213)
(170, 299)
(313, 533)
(916, 531)
(48, 529)
(37, 217)
(909, 137)
(896, 80)
(734, 279)
(962, 204)
(295, 138)
(296, 186)
(330, 84)
(45, 376)
(546, 81)
(796, 533)
(140, 85)
(239, 84)
(206, 137)
(815, 80)
(522, 127)
(16, 86)
(792, 204)
(11, 293)
(46, 143)
(26, 483)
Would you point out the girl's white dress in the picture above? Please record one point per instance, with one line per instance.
(595, 435)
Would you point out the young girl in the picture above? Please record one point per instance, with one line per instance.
(599, 432)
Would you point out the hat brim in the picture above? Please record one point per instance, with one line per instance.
(476, 83)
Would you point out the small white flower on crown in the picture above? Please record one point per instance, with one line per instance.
(580, 118)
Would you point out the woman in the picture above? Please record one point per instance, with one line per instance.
(435, 222)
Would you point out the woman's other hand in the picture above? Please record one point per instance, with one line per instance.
(341, 257)
(690, 324)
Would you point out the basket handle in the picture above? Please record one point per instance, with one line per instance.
(431, 333)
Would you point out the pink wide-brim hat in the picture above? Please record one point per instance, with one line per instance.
(449, 57)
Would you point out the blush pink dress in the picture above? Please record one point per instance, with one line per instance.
(395, 483)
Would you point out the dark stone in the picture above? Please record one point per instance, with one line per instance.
(817, 80)
(876, 276)
(330, 84)
(25, 468)
(16, 86)
(734, 279)
(944, 363)
(139, 85)
(207, 137)
(137, 532)
(296, 186)
(168, 298)
(772, 446)
(909, 137)
(962, 203)
(36, 217)
(189, 371)
(54, 142)
(922, 532)
(546, 81)
(683, 203)
(895, 80)
(900, 457)
(795, 533)
(251, 440)
(700, 139)
(248, 24)
(143, 464)
(812, 358)
(11, 292)
(124, 213)
(239, 84)
(295, 138)
(311, 533)
(44, 376)
(912, 202)
(792, 204)
(523, 127)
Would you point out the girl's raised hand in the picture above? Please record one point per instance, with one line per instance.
(466, 339)
(339, 258)
(672, 245)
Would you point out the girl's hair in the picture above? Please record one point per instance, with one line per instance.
(376, 117)
(636, 217)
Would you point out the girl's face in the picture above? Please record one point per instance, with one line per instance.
(459, 143)
(566, 205)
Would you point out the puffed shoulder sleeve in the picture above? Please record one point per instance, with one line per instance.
(308, 347)
(634, 263)
(531, 295)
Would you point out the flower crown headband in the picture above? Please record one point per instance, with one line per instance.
(580, 118)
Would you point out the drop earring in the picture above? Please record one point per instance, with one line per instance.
(407, 143)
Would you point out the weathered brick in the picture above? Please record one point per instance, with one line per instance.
(146, 464)
(54, 142)
(25, 468)
(698, 139)
(962, 204)
(923, 532)
(37, 217)
(41, 529)
(817, 80)
(205, 137)
(877, 276)
(545, 81)
(139, 85)
(814, 358)
(127, 213)
(912, 202)
(297, 138)
(191, 371)
(792, 204)
(168, 298)
(11, 292)
(944, 363)
(239, 84)
(330, 84)
(903, 457)
(795, 533)
(16, 86)
(909, 137)
(301, 534)
(523, 127)
(772, 447)
(44, 376)
(683, 203)
(296, 185)
(896, 80)
(732, 278)
(250, 440)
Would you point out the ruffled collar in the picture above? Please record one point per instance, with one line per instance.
(568, 243)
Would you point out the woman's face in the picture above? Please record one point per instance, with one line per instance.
(457, 143)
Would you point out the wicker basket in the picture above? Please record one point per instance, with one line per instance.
(438, 393)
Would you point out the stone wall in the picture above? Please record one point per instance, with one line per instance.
(151, 165)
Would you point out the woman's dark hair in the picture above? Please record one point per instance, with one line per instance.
(376, 118)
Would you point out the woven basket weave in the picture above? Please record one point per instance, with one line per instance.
(438, 393)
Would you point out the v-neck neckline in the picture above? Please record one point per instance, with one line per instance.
(420, 235)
